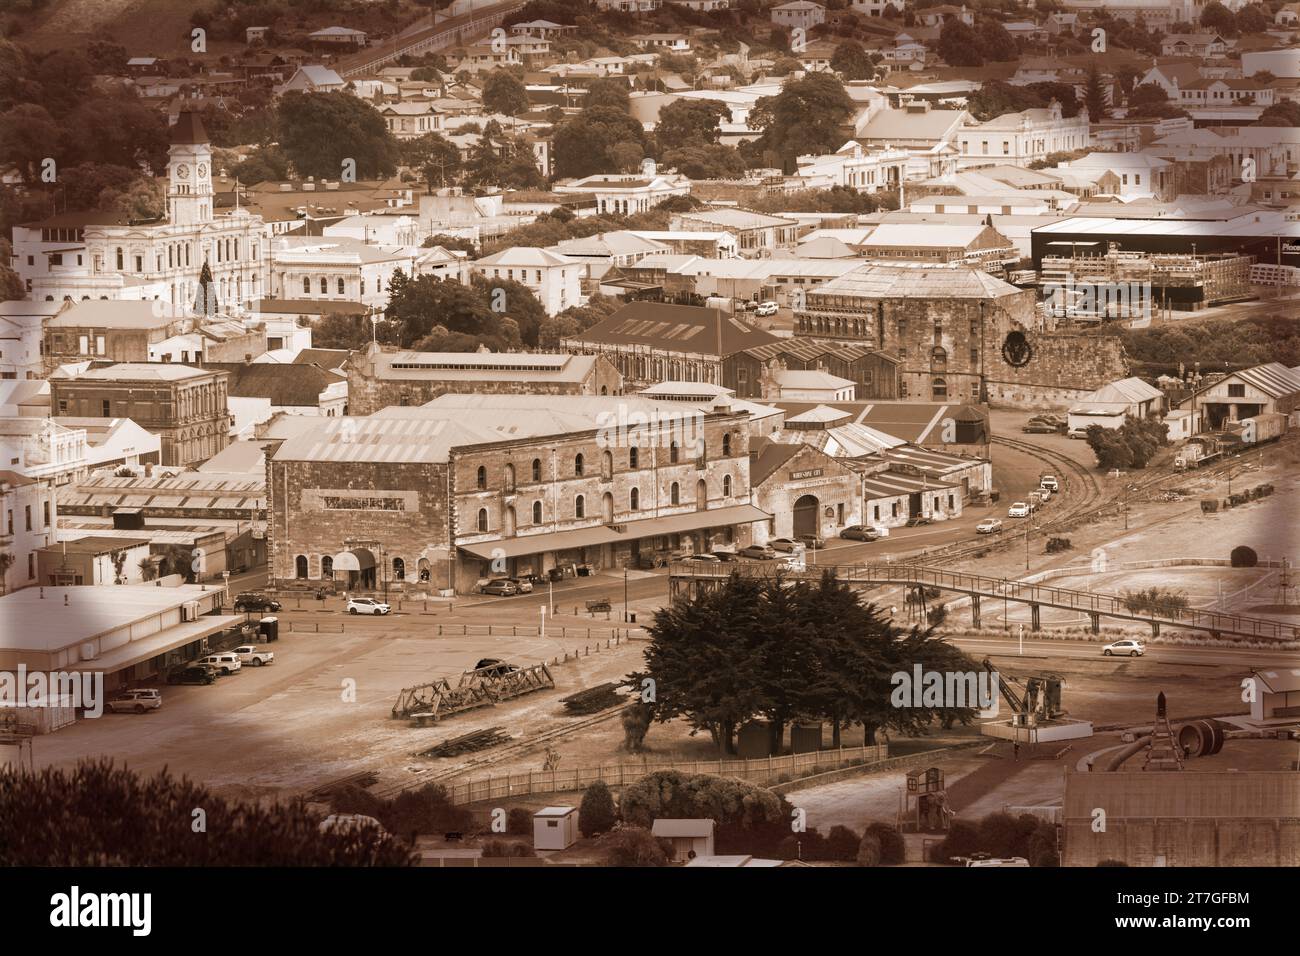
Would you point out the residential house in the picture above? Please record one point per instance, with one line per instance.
(800, 14)
(338, 37)
(312, 79)
(627, 193)
(757, 233)
(1019, 139)
(411, 119)
(929, 135)
(1199, 45)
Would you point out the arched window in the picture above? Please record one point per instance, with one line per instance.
(119, 259)
(726, 486)
(939, 356)
(482, 519)
(577, 466)
(340, 285)
(537, 512)
(675, 494)
(537, 469)
(300, 566)
(481, 479)
(607, 465)
(324, 286)
(327, 567)
(940, 388)
(726, 445)
(633, 457)
(399, 569)
(306, 284)
(672, 453)
(579, 507)
(634, 499)
(510, 478)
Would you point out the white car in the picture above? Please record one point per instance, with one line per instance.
(249, 654)
(367, 606)
(225, 663)
(1050, 483)
(1131, 648)
(766, 309)
(136, 701)
(989, 525)
(1018, 510)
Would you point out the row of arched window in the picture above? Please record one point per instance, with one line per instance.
(302, 568)
(580, 504)
(580, 464)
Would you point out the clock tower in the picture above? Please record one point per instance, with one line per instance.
(189, 168)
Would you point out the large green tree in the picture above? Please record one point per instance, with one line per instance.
(504, 93)
(807, 116)
(584, 144)
(851, 61)
(435, 157)
(320, 132)
(692, 123)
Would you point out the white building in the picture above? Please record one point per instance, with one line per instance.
(801, 14)
(627, 193)
(342, 268)
(1138, 175)
(554, 279)
(1018, 139)
(21, 335)
(412, 119)
(106, 256)
(866, 170)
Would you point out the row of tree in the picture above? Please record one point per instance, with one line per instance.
(788, 651)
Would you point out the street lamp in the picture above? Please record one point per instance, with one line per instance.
(625, 594)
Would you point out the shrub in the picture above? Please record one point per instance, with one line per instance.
(869, 850)
(892, 848)
(596, 813)
(496, 848)
(963, 839)
(521, 849)
(519, 822)
(633, 846)
(842, 844)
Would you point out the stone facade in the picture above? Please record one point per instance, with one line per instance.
(185, 407)
(800, 493)
(1062, 368)
(875, 373)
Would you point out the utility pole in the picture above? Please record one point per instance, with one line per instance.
(625, 618)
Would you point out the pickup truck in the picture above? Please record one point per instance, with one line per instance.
(248, 654)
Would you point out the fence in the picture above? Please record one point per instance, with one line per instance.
(760, 770)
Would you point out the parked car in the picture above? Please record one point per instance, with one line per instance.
(709, 558)
(1018, 510)
(788, 545)
(1056, 421)
(1077, 433)
(252, 601)
(523, 585)
(191, 674)
(989, 526)
(136, 701)
(366, 605)
(766, 308)
(225, 663)
(859, 532)
(812, 541)
(725, 556)
(501, 587)
(250, 654)
(1039, 497)
(759, 552)
(1131, 648)
(1050, 483)
(1038, 428)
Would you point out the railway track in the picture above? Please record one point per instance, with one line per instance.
(498, 754)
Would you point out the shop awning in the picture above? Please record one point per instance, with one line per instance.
(602, 534)
(540, 543)
(693, 521)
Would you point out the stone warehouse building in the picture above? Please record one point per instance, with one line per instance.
(651, 342)
(872, 371)
(805, 490)
(470, 487)
(186, 407)
(379, 377)
(945, 325)
(960, 335)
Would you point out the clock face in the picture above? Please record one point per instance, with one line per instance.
(202, 170)
(183, 171)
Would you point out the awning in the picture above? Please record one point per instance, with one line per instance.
(602, 534)
(694, 521)
(358, 559)
(540, 543)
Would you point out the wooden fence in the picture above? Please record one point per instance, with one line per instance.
(760, 770)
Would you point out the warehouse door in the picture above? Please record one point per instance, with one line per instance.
(805, 515)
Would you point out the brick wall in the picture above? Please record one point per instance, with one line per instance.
(1062, 368)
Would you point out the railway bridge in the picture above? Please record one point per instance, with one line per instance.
(689, 577)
